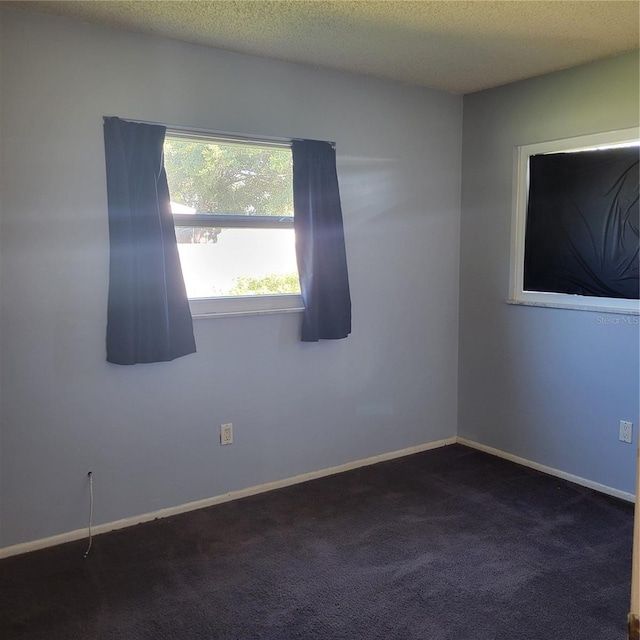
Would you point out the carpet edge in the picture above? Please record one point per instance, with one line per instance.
(584, 482)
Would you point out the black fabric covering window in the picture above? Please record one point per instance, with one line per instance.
(320, 247)
(582, 224)
(148, 317)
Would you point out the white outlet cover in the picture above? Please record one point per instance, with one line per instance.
(626, 431)
(226, 433)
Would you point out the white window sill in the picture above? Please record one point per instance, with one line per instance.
(575, 307)
(233, 314)
(202, 308)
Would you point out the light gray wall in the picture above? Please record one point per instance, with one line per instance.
(545, 384)
(149, 433)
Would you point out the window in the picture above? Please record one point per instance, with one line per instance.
(575, 236)
(232, 204)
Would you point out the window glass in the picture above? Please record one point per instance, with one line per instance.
(237, 262)
(233, 211)
(214, 177)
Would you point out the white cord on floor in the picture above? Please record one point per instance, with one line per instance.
(86, 553)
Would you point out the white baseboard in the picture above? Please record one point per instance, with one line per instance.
(78, 534)
(549, 470)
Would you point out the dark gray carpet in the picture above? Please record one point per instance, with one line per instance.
(451, 544)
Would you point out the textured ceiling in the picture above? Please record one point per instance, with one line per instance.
(455, 46)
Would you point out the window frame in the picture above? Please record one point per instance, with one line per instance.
(225, 306)
(522, 153)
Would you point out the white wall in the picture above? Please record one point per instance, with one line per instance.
(548, 385)
(149, 433)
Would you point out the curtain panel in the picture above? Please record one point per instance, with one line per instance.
(320, 246)
(148, 316)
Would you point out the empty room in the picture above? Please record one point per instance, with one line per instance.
(319, 320)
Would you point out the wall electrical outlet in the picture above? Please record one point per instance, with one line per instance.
(626, 431)
(226, 433)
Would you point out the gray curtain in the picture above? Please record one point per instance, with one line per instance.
(148, 316)
(320, 247)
